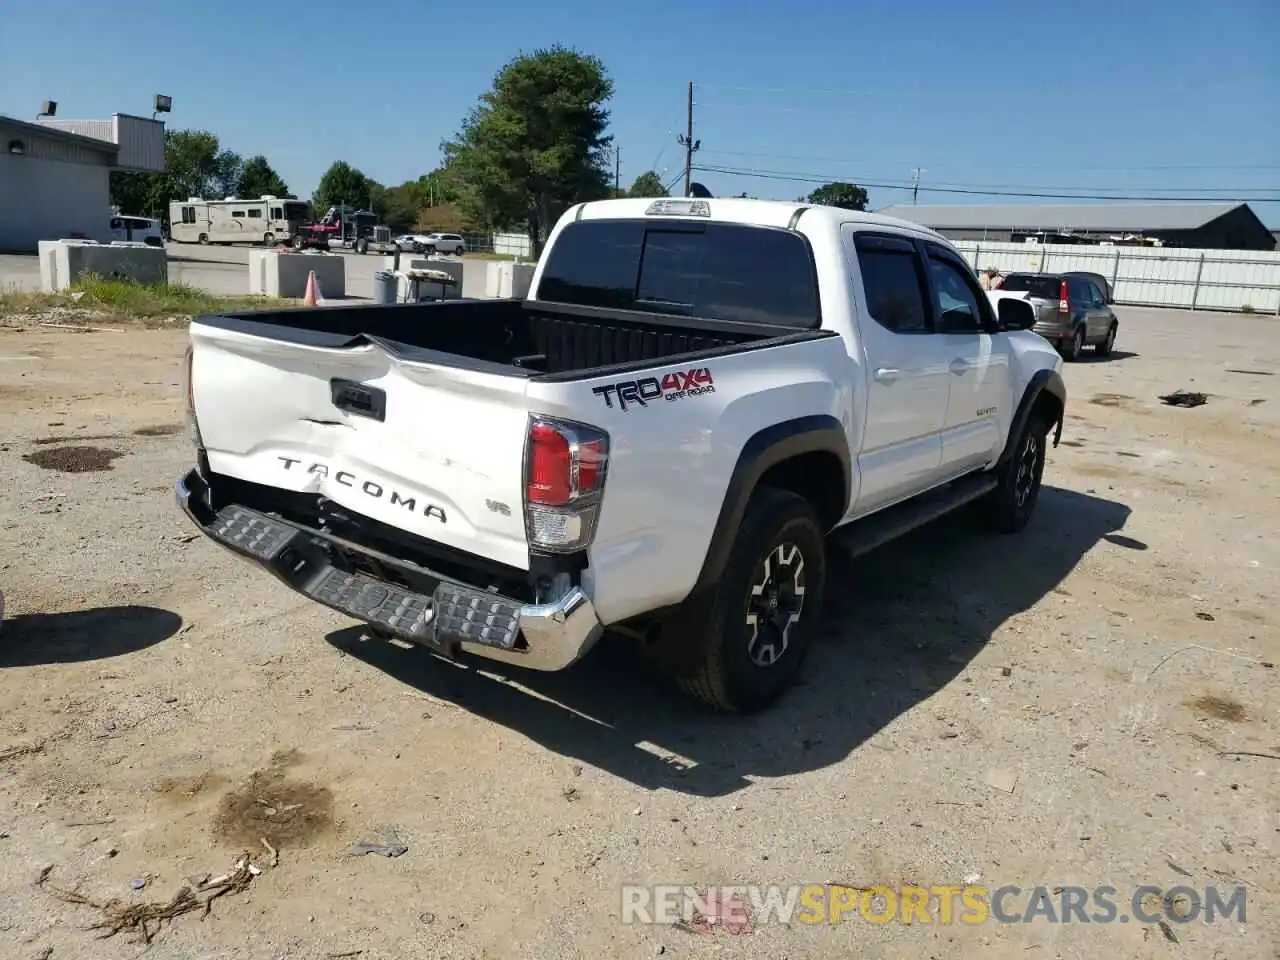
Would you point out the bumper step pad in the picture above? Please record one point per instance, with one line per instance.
(452, 614)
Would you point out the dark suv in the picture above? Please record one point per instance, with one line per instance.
(1071, 311)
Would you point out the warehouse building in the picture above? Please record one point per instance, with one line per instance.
(1208, 226)
(55, 175)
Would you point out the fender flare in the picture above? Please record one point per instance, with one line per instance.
(1044, 381)
(820, 433)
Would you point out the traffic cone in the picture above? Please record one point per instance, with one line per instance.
(309, 298)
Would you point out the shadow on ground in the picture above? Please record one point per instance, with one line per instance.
(80, 635)
(901, 623)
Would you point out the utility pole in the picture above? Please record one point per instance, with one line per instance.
(690, 145)
(915, 183)
(617, 170)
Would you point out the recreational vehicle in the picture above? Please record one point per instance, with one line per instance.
(267, 220)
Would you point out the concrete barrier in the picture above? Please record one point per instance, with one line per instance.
(508, 279)
(63, 262)
(274, 273)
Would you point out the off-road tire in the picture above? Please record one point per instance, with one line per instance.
(1104, 348)
(1008, 507)
(726, 677)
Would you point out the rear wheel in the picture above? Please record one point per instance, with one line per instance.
(1074, 348)
(362, 246)
(1104, 348)
(298, 242)
(204, 239)
(760, 616)
(457, 252)
(268, 239)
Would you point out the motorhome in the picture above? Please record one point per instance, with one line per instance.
(266, 220)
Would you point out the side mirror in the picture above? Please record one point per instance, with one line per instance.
(1015, 314)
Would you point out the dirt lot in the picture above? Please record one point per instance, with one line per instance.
(164, 707)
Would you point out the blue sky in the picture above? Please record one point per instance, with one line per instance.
(1138, 96)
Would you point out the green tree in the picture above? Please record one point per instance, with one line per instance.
(343, 183)
(647, 185)
(259, 179)
(848, 196)
(535, 143)
(195, 166)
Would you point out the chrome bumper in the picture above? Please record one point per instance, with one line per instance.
(449, 617)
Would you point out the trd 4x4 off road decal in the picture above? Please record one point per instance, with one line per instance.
(672, 386)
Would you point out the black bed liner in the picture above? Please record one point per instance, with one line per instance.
(535, 339)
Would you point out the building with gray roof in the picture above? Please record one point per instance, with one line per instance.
(1211, 226)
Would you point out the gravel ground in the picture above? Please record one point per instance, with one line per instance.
(1045, 710)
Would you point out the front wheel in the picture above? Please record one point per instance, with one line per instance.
(760, 617)
(268, 239)
(1009, 506)
(458, 251)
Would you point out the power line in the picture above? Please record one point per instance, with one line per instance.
(990, 192)
(1137, 168)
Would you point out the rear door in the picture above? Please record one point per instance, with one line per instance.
(907, 376)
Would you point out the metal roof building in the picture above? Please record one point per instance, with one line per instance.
(55, 175)
(1214, 226)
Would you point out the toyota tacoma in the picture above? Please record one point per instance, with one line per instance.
(698, 400)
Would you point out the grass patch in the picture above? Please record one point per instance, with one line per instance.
(105, 300)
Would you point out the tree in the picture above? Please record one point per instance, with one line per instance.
(647, 185)
(535, 143)
(258, 179)
(343, 183)
(195, 166)
(848, 196)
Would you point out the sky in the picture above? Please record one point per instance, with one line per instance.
(1175, 98)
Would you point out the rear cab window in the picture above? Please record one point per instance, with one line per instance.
(716, 271)
(1042, 288)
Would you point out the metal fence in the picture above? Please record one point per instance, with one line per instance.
(507, 244)
(1240, 280)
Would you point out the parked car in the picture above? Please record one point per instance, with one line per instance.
(665, 445)
(138, 229)
(412, 242)
(1071, 311)
(446, 243)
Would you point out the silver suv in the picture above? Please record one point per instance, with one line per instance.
(1071, 311)
(446, 243)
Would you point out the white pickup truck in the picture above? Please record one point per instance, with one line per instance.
(698, 400)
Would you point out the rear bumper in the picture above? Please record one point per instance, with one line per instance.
(452, 616)
(1054, 329)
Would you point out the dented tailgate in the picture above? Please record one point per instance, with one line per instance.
(433, 449)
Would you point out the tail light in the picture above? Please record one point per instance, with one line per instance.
(564, 468)
(193, 428)
(1064, 302)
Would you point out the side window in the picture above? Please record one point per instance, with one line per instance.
(958, 303)
(255, 214)
(277, 213)
(893, 283)
(188, 214)
(1075, 291)
(1096, 293)
(115, 223)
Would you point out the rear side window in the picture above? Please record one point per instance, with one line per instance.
(719, 271)
(893, 284)
(1045, 288)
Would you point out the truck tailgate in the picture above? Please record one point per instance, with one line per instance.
(432, 449)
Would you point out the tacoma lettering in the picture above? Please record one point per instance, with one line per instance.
(370, 489)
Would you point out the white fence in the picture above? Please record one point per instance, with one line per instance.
(1240, 280)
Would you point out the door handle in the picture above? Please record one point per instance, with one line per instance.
(958, 366)
(887, 374)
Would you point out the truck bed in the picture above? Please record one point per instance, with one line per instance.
(549, 341)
